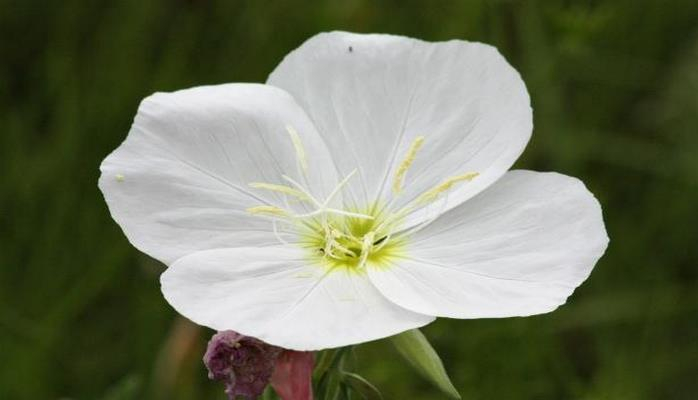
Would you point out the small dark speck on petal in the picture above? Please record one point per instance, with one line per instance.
(351, 49)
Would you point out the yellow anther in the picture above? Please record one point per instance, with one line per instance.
(298, 145)
(406, 163)
(119, 178)
(279, 188)
(267, 210)
(432, 194)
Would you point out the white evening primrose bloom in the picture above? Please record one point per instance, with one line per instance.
(362, 191)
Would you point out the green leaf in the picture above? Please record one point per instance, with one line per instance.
(329, 382)
(269, 394)
(324, 361)
(346, 392)
(415, 348)
(362, 386)
(331, 389)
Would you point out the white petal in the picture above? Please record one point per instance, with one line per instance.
(277, 296)
(370, 96)
(179, 182)
(519, 248)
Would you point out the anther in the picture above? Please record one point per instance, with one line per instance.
(298, 145)
(432, 194)
(406, 163)
(267, 210)
(280, 189)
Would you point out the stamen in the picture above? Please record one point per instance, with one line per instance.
(298, 145)
(366, 248)
(346, 250)
(331, 244)
(353, 239)
(333, 211)
(432, 194)
(267, 210)
(280, 188)
(406, 163)
(347, 213)
(332, 233)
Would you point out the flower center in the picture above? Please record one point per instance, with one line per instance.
(351, 241)
(349, 238)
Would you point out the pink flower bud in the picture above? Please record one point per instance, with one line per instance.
(292, 378)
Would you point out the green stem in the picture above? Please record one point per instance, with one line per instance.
(330, 375)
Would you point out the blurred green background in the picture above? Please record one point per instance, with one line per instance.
(614, 86)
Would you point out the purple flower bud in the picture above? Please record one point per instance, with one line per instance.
(243, 363)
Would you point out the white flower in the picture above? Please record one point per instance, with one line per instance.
(363, 191)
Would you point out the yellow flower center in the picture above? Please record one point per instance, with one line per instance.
(350, 241)
(349, 238)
